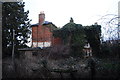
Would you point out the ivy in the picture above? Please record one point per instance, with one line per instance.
(93, 34)
(73, 35)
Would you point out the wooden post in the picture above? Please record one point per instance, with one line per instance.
(13, 56)
(13, 47)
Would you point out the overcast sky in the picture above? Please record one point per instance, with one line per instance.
(85, 12)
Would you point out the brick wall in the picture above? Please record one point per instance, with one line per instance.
(42, 35)
(57, 41)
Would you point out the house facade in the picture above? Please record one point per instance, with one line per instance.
(42, 33)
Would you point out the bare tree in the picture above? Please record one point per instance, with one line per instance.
(111, 32)
(110, 26)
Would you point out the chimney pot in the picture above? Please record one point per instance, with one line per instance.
(41, 18)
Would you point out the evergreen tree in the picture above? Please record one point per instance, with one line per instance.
(14, 18)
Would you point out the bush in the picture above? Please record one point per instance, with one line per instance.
(110, 50)
(108, 68)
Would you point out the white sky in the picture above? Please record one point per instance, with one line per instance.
(85, 12)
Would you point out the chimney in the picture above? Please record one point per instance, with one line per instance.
(41, 18)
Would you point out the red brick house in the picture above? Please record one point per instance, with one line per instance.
(42, 33)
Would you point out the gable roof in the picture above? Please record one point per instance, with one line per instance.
(33, 25)
(45, 23)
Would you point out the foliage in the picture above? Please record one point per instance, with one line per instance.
(109, 68)
(14, 18)
(93, 34)
(75, 35)
(110, 49)
(72, 35)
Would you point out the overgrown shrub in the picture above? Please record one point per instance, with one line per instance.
(108, 68)
(59, 52)
(110, 50)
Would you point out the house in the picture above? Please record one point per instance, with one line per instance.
(42, 33)
(43, 39)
